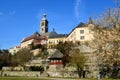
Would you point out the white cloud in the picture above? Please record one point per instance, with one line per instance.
(1, 13)
(8, 13)
(77, 8)
(12, 12)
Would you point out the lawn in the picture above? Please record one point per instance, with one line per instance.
(20, 78)
(33, 78)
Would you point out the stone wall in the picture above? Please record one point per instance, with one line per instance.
(35, 52)
(21, 73)
(12, 69)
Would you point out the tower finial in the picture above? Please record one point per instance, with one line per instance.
(90, 20)
(44, 15)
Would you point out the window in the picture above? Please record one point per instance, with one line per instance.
(42, 24)
(81, 31)
(82, 37)
(42, 29)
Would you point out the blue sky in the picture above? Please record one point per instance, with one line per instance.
(21, 18)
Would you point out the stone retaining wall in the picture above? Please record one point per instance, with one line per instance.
(21, 73)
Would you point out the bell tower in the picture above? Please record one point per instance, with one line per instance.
(43, 25)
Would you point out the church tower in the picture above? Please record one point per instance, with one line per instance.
(44, 25)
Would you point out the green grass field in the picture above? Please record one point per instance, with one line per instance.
(20, 78)
(33, 78)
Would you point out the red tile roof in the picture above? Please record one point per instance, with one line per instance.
(34, 36)
(37, 38)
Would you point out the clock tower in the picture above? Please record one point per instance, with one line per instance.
(44, 25)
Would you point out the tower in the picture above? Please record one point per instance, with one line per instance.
(44, 25)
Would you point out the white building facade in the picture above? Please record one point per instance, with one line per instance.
(81, 33)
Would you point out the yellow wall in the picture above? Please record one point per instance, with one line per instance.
(54, 41)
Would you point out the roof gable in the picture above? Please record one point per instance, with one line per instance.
(34, 36)
(81, 24)
(57, 54)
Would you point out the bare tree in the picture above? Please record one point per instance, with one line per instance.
(107, 42)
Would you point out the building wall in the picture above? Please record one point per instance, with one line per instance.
(35, 52)
(81, 34)
(72, 36)
(26, 43)
(14, 50)
(57, 67)
(54, 41)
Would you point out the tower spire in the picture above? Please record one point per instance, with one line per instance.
(90, 20)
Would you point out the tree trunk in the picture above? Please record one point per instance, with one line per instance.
(80, 72)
